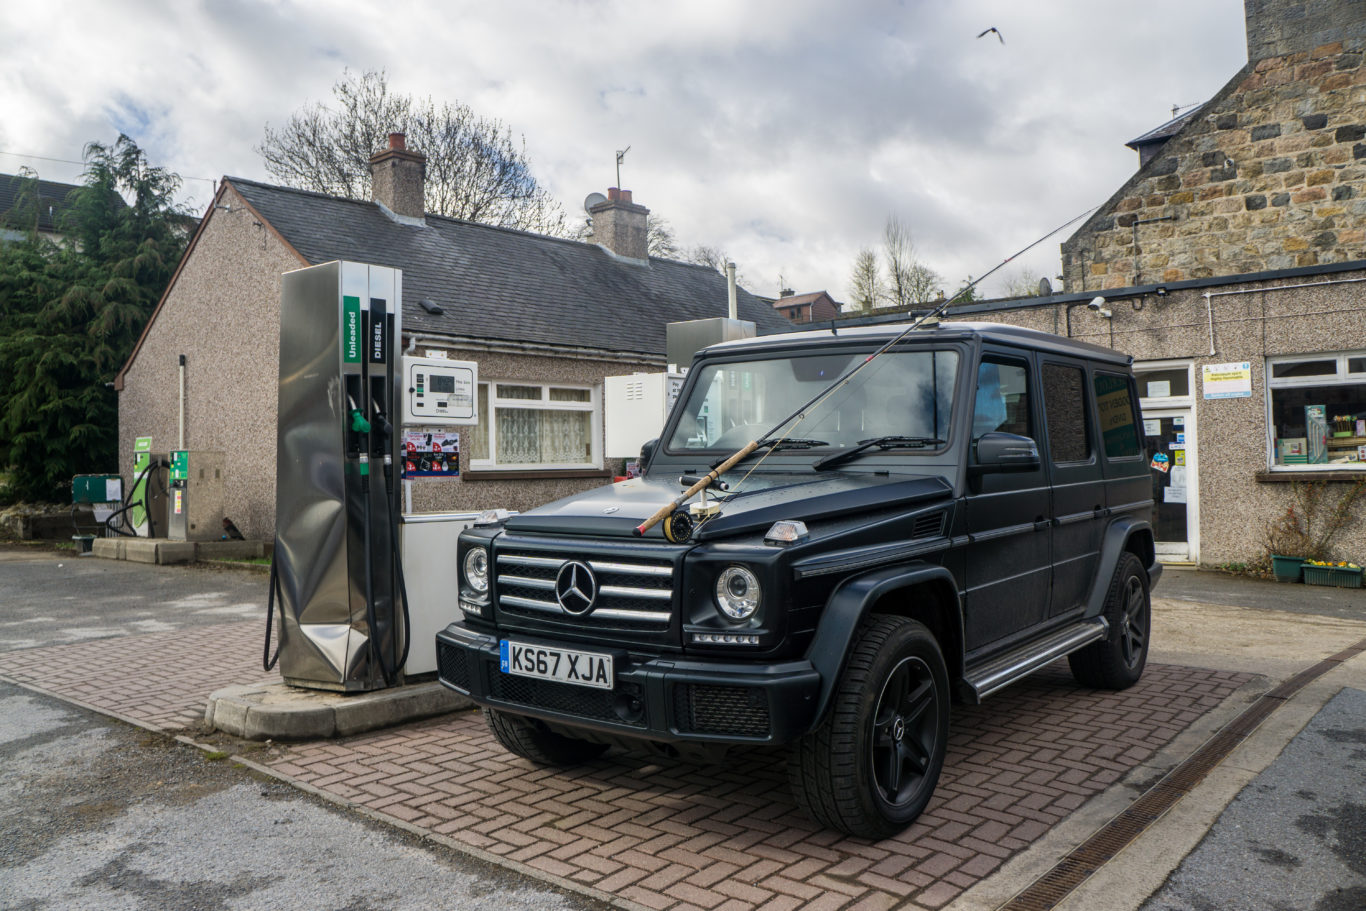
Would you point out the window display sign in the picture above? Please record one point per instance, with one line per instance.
(431, 455)
(1227, 381)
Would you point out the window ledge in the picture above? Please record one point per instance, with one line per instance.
(1286, 477)
(535, 474)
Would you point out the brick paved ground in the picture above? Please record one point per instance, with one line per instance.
(678, 836)
(160, 679)
(728, 837)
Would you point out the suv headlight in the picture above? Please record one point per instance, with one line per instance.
(738, 593)
(477, 569)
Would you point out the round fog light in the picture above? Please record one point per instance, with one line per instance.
(737, 593)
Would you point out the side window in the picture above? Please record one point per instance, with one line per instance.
(1064, 405)
(1118, 425)
(1002, 398)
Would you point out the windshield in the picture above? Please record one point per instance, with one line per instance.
(904, 393)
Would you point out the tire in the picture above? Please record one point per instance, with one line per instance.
(1116, 662)
(872, 765)
(532, 740)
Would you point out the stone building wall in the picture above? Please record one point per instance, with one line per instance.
(1268, 176)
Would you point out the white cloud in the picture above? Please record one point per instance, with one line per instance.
(782, 132)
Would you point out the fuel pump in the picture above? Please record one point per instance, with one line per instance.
(336, 571)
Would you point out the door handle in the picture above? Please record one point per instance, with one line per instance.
(1041, 523)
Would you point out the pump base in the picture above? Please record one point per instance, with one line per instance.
(277, 711)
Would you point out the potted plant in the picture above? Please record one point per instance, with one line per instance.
(1304, 532)
(1341, 574)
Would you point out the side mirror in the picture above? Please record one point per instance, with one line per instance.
(998, 451)
(647, 451)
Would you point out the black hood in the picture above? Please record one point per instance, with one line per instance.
(616, 510)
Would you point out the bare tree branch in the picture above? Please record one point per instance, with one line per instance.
(475, 170)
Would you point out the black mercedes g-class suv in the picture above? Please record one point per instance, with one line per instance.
(968, 506)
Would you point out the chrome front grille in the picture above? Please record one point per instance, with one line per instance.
(630, 594)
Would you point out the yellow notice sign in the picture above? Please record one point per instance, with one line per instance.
(1227, 381)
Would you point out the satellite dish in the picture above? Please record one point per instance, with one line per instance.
(593, 199)
(1045, 287)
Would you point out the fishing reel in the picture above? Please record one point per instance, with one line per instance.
(679, 525)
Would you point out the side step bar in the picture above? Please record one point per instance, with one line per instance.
(1028, 658)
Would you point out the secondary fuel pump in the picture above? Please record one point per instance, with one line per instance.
(336, 572)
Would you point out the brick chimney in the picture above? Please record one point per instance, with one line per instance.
(397, 177)
(1278, 27)
(619, 225)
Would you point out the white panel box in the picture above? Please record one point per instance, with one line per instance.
(635, 409)
(439, 393)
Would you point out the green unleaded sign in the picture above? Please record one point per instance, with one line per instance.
(351, 340)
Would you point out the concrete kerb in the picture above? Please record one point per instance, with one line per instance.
(277, 711)
(163, 552)
(1040, 857)
(1141, 868)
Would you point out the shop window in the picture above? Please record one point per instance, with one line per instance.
(1064, 404)
(1172, 383)
(528, 427)
(1317, 411)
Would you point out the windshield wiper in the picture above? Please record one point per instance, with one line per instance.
(789, 443)
(890, 442)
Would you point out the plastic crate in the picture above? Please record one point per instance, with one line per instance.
(1336, 576)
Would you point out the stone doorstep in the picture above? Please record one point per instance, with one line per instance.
(162, 551)
(278, 711)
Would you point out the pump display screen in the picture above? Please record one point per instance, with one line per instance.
(440, 383)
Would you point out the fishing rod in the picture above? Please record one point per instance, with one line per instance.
(767, 439)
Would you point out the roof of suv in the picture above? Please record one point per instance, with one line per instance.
(993, 332)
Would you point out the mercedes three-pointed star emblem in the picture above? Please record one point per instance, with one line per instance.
(576, 588)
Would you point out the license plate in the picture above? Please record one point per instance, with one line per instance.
(560, 664)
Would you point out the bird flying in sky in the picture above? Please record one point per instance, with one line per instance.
(989, 31)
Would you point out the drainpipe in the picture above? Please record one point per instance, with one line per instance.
(182, 403)
(730, 290)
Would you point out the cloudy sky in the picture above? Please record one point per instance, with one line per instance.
(783, 132)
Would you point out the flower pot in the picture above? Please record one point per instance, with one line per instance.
(1336, 576)
(1287, 569)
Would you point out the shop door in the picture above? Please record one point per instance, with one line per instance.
(1169, 445)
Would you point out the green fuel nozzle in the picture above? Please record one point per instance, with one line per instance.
(358, 422)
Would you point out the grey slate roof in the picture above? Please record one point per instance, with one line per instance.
(1167, 130)
(500, 284)
(51, 196)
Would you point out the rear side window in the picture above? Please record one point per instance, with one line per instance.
(1064, 403)
(1118, 423)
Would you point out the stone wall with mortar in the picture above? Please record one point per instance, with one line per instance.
(1269, 176)
(223, 314)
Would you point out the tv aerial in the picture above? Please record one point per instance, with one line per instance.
(621, 153)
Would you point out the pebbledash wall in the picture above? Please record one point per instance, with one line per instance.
(223, 313)
(1240, 487)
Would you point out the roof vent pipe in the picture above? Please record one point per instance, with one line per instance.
(730, 290)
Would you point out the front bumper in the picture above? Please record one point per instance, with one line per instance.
(661, 698)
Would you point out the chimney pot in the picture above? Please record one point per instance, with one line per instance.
(398, 141)
(613, 194)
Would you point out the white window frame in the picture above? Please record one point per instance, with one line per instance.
(1173, 401)
(593, 406)
(1342, 377)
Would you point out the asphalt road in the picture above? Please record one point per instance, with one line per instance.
(1295, 837)
(1238, 591)
(95, 814)
(49, 598)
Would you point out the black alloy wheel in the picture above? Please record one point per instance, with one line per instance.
(871, 766)
(1117, 661)
(904, 733)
